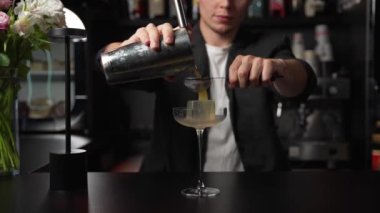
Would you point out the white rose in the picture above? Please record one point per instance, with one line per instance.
(24, 25)
(44, 13)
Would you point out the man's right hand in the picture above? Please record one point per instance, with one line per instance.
(151, 35)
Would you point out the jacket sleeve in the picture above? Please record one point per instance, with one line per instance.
(283, 50)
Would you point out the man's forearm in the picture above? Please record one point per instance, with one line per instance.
(294, 78)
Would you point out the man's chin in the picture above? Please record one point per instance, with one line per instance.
(224, 30)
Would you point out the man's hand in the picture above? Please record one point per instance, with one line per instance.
(254, 71)
(149, 35)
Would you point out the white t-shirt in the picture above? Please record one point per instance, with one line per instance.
(222, 154)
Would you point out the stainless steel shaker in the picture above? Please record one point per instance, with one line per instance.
(137, 61)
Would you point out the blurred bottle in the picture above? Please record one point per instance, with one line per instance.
(137, 9)
(131, 9)
(195, 9)
(324, 50)
(277, 8)
(294, 8)
(156, 8)
(314, 7)
(255, 9)
(298, 46)
(375, 160)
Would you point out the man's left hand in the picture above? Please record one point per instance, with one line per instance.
(255, 71)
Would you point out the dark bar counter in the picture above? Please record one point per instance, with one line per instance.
(306, 192)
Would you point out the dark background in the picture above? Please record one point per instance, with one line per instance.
(118, 121)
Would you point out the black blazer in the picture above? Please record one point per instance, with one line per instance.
(174, 147)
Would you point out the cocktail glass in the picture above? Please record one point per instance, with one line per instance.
(199, 114)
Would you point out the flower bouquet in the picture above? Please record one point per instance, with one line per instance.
(24, 27)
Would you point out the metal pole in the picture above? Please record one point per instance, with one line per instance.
(180, 13)
(67, 94)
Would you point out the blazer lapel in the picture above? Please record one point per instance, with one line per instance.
(237, 45)
(199, 52)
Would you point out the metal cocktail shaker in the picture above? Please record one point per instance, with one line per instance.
(137, 61)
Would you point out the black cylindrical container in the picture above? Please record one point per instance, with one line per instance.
(68, 171)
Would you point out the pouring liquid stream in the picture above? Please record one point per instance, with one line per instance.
(202, 93)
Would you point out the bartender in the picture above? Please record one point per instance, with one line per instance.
(246, 140)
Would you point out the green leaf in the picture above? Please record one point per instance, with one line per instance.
(23, 70)
(4, 60)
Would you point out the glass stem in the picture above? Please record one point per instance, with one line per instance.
(201, 185)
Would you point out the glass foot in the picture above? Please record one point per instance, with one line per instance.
(205, 192)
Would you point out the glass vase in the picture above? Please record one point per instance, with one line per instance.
(9, 140)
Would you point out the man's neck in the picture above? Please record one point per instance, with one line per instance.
(215, 38)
